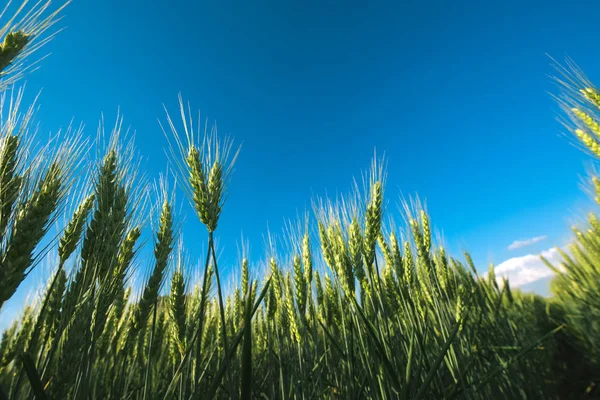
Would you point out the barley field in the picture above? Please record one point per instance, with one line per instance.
(360, 303)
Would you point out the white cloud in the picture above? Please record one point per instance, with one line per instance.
(527, 269)
(517, 244)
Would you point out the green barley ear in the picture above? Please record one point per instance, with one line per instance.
(106, 227)
(426, 230)
(442, 268)
(587, 120)
(329, 301)
(110, 336)
(21, 337)
(72, 233)
(592, 95)
(319, 288)
(13, 44)
(276, 282)
(30, 226)
(23, 34)
(301, 287)
(492, 277)
(127, 249)
(52, 316)
(8, 337)
(355, 247)
(215, 191)
(237, 309)
(207, 167)
(343, 263)
(589, 142)
(408, 264)
(459, 313)
(48, 319)
(111, 287)
(271, 303)
(197, 179)
(177, 309)
(470, 263)
(290, 309)
(307, 261)
(373, 223)
(596, 183)
(162, 250)
(390, 287)
(396, 255)
(326, 246)
(245, 277)
(420, 245)
(10, 182)
(385, 249)
(125, 257)
(506, 285)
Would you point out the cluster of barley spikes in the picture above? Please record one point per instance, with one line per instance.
(350, 306)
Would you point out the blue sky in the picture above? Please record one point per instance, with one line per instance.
(454, 93)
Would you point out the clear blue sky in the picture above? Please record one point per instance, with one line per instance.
(455, 93)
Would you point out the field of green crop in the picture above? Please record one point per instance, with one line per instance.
(357, 307)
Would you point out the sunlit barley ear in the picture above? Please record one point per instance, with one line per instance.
(8, 337)
(52, 316)
(396, 255)
(592, 95)
(442, 268)
(245, 277)
(124, 259)
(49, 315)
(590, 143)
(330, 301)
(408, 264)
(307, 262)
(596, 183)
(162, 250)
(72, 233)
(276, 279)
(22, 34)
(589, 122)
(355, 246)
(492, 276)
(30, 226)
(506, 286)
(229, 313)
(253, 291)
(426, 230)
(301, 286)
(32, 192)
(390, 287)
(177, 309)
(594, 222)
(21, 336)
(272, 302)
(385, 249)
(326, 247)
(10, 181)
(459, 313)
(580, 101)
(204, 160)
(290, 309)
(319, 290)
(343, 264)
(237, 306)
(373, 222)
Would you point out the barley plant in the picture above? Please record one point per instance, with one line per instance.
(357, 301)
